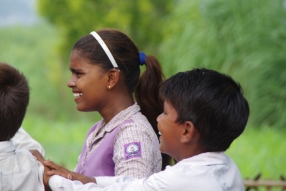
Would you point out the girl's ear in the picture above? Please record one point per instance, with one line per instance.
(190, 134)
(113, 78)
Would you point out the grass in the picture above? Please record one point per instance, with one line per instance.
(257, 150)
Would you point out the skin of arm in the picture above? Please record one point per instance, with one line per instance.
(41, 159)
(59, 170)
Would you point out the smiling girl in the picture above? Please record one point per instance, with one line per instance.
(105, 67)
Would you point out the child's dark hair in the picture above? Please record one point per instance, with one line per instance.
(126, 55)
(214, 102)
(14, 99)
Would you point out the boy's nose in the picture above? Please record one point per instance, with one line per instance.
(158, 118)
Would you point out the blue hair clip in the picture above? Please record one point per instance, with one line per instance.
(142, 57)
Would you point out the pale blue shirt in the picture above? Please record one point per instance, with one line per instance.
(19, 170)
(22, 140)
(203, 172)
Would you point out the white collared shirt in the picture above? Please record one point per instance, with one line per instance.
(19, 170)
(203, 172)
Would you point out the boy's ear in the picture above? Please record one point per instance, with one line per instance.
(113, 77)
(190, 134)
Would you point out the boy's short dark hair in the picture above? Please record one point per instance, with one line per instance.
(14, 99)
(214, 102)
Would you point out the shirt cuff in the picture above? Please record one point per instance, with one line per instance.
(58, 183)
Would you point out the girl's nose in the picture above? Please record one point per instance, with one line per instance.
(71, 82)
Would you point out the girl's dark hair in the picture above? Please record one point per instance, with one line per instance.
(126, 55)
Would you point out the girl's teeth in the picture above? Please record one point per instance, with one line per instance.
(77, 94)
(159, 133)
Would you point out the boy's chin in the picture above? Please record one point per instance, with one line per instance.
(161, 148)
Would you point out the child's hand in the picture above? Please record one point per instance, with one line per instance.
(56, 169)
(38, 155)
(41, 159)
(59, 170)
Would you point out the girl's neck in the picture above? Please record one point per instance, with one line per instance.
(115, 106)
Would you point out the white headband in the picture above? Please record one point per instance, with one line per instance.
(105, 48)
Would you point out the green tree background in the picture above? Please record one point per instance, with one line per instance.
(245, 39)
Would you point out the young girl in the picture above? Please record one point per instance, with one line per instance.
(105, 67)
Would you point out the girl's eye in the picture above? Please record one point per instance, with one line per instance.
(78, 74)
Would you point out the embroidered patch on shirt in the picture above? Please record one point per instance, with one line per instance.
(132, 150)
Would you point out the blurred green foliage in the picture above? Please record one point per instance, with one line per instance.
(31, 52)
(256, 151)
(62, 140)
(242, 38)
(141, 19)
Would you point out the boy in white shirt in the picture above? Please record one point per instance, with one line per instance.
(19, 170)
(204, 111)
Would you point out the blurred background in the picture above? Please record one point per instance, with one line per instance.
(243, 38)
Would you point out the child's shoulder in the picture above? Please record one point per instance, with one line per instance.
(18, 161)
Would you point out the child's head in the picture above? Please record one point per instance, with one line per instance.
(105, 65)
(128, 60)
(213, 102)
(14, 99)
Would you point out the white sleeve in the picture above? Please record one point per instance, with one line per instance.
(58, 183)
(22, 140)
(105, 181)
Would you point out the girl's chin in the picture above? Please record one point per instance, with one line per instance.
(82, 109)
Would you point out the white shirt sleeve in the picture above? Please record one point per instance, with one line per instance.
(22, 140)
(19, 170)
(58, 183)
(105, 181)
(203, 172)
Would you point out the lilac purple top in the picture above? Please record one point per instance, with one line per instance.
(126, 145)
